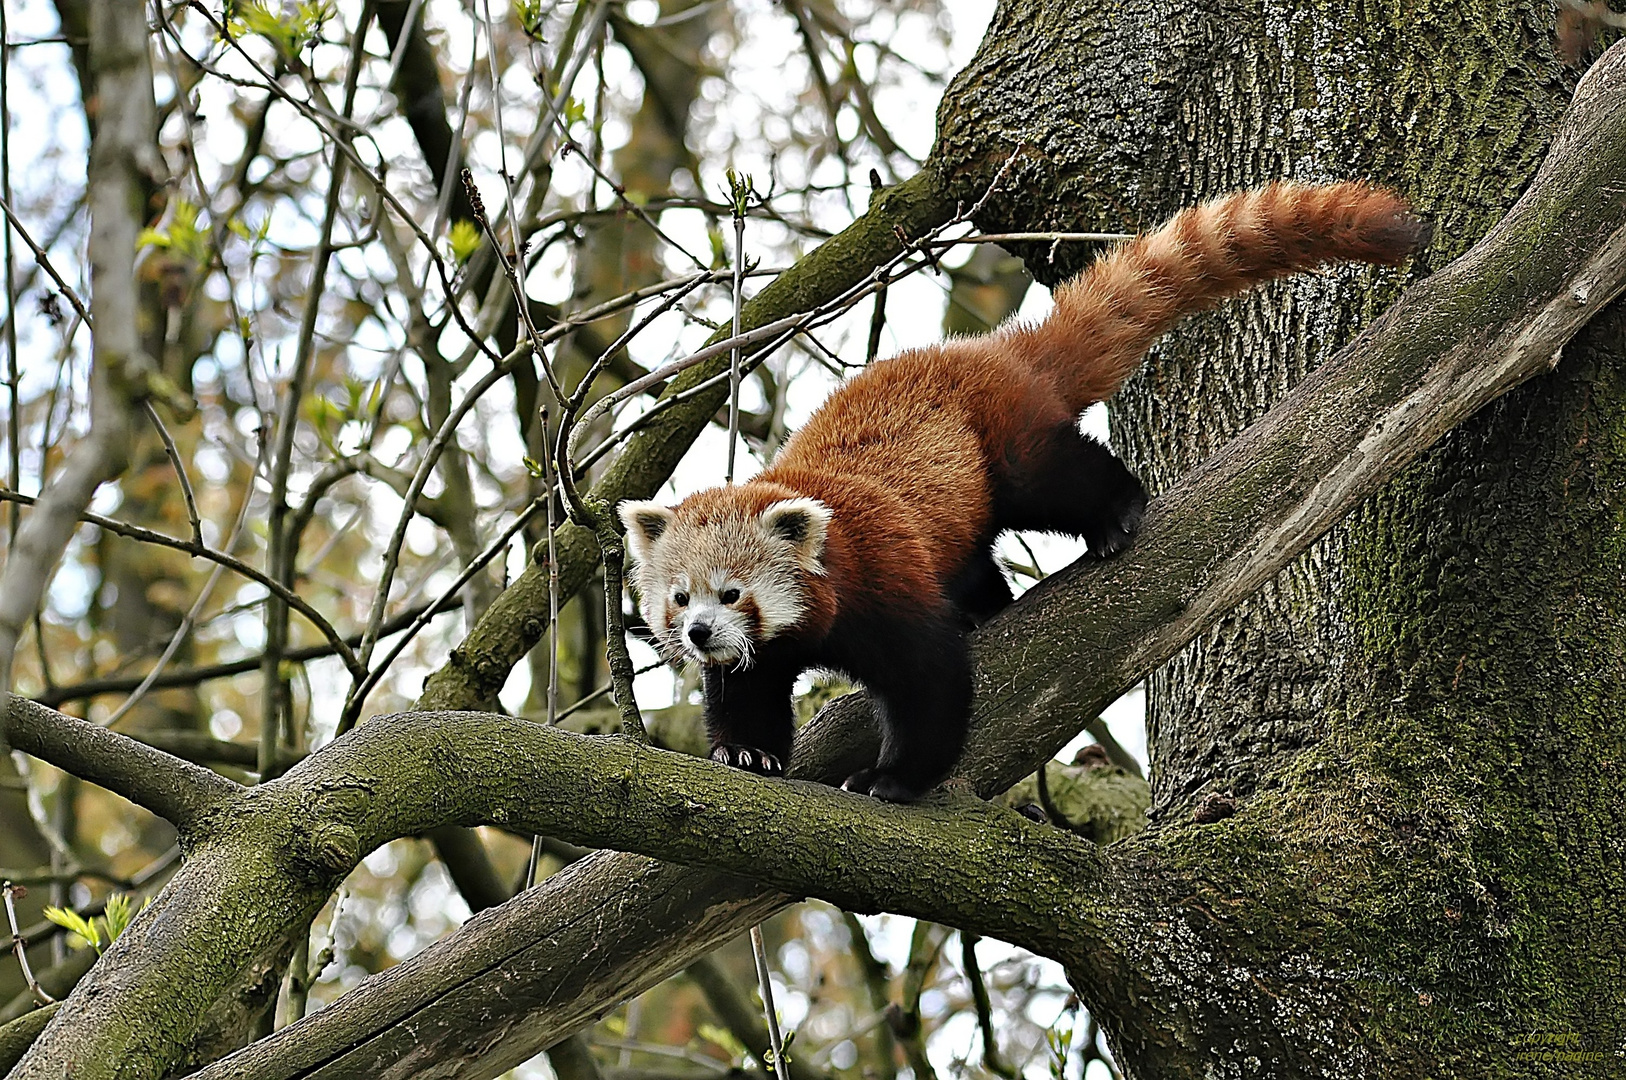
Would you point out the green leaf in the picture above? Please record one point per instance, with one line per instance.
(465, 237)
(740, 189)
(76, 924)
(784, 1050)
(183, 236)
(531, 14)
(288, 33)
(116, 916)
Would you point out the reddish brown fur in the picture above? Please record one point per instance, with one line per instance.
(923, 459)
(903, 453)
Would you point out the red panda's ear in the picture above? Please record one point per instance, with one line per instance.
(804, 523)
(645, 521)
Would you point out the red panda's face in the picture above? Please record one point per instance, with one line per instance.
(714, 586)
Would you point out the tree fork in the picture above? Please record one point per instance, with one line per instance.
(1495, 317)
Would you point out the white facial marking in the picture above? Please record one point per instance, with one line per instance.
(714, 592)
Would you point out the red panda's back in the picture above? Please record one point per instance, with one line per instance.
(914, 440)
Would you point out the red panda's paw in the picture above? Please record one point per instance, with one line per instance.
(1117, 527)
(748, 758)
(882, 785)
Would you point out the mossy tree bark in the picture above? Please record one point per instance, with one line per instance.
(1422, 716)
(1421, 869)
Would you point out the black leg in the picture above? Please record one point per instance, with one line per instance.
(749, 716)
(1074, 485)
(920, 689)
(979, 591)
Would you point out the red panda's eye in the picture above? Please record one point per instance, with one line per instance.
(681, 599)
(728, 596)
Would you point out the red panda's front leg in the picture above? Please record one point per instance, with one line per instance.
(749, 717)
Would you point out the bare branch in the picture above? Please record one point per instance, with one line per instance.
(178, 791)
(1494, 317)
(43, 260)
(56, 696)
(147, 536)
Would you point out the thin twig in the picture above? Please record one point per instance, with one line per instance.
(276, 704)
(352, 709)
(985, 1012)
(615, 632)
(180, 471)
(1020, 237)
(19, 947)
(620, 191)
(801, 320)
(739, 188)
(877, 320)
(587, 699)
(44, 262)
(553, 582)
(322, 119)
(776, 1044)
(55, 695)
(230, 562)
(522, 304)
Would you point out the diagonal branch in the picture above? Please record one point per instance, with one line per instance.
(1488, 321)
(1493, 318)
(178, 791)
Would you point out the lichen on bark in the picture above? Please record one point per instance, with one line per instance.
(1421, 715)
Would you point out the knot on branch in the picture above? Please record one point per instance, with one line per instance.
(329, 849)
(326, 842)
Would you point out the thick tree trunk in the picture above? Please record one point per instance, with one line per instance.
(1421, 717)
(1422, 872)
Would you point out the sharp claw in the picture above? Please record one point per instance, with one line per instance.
(749, 758)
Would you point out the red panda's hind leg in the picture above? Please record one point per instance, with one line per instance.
(1073, 485)
(979, 591)
(919, 680)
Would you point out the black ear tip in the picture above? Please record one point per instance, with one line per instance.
(645, 519)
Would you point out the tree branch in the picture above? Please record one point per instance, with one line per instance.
(275, 850)
(1493, 318)
(55, 696)
(177, 791)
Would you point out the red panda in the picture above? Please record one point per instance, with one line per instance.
(866, 547)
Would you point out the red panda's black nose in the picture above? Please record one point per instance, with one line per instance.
(699, 633)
